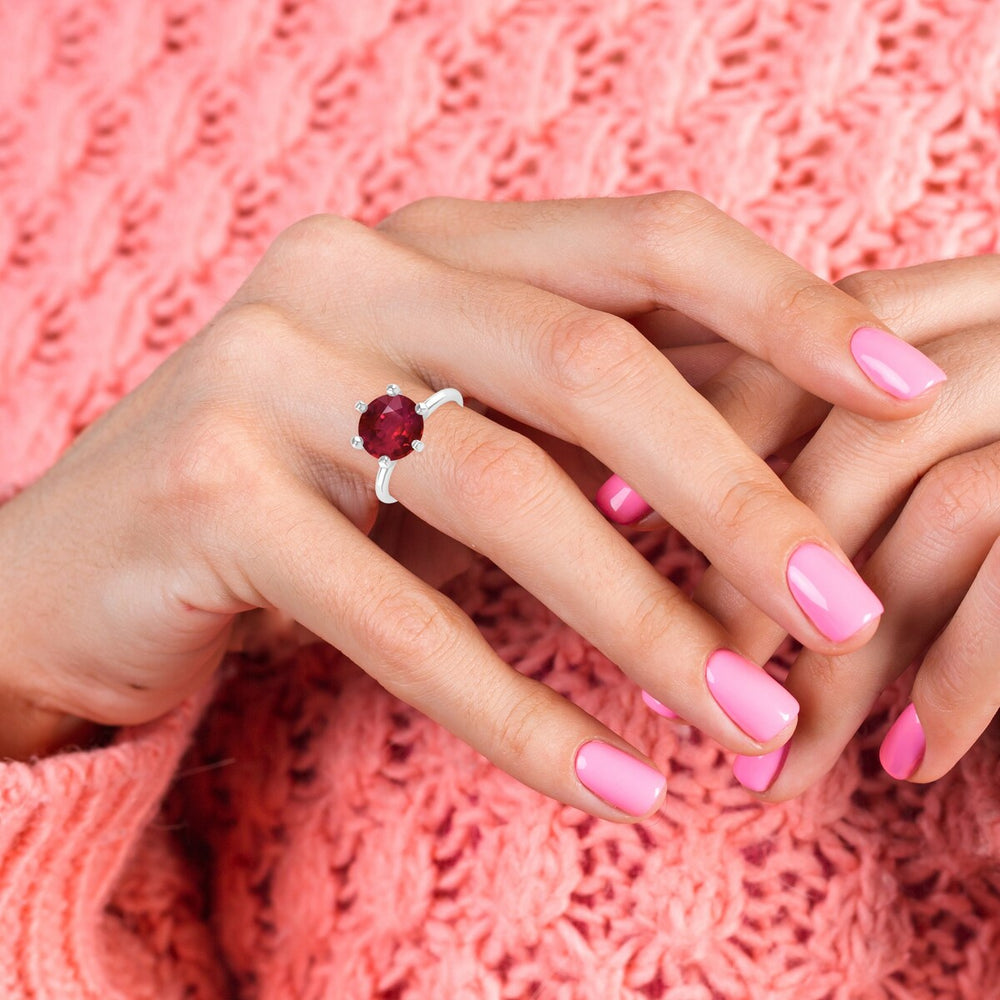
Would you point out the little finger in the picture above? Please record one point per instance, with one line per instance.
(422, 648)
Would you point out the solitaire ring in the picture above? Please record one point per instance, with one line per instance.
(390, 428)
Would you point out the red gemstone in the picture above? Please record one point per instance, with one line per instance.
(389, 426)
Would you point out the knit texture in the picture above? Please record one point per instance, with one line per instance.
(322, 839)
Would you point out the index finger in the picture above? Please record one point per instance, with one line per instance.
(676, 250)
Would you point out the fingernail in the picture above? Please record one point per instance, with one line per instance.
(903, 748)
(618, 501)
(834, 597)
(758, 773)
(618, 778)
(892, 364)
(749, 695)
(658, 706)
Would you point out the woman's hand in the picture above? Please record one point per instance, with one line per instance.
(226, 482)
(923, 495)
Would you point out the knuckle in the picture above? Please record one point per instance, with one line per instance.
(425, 215)
(234, 359)
(501, 472)
(585, 355)
(344, 251)
(824, 675)
(884, 293)
(411, 632)
(516, 726)
(745, 508)
(654, 620)
(800, 298)
(945, 688)
(320, 233)
(665, 211)
(239, 340)
(661, 225)
(955, 492)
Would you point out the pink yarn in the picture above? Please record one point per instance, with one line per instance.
(322, 839)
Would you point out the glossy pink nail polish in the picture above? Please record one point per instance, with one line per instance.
(895, 366)
(618, 778)
(619, 502)
(834, 597)
(903, 748)
(758, 773)
(658, 706)
(749, 695)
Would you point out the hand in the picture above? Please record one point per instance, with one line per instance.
(225, 482)
(923, 496)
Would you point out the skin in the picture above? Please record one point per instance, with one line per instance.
(224, 484)
(921, 497)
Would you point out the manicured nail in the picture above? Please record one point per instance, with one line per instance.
(903, 748)
(831, 593)
(758, 773)
(749, 695)
(618, 501)
(618, 778)
(892, 364)
(658, 706)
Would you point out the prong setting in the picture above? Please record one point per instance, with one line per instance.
(389, 433)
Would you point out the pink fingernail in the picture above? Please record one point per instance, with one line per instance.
(618, 778)
(758, 773)
(903, 748)
(658, 706)
(749, 695)
(618, 501)
(894, 365)
(831, 593)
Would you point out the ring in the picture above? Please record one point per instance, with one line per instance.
(390, 428)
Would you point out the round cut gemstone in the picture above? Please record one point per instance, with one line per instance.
(389, 426)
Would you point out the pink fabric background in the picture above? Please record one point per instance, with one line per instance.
(324, 840)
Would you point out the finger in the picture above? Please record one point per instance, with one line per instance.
(923, 303)
(856, 473)
(423, 649)
(922, 571)
(592, 380)
(675, 250)
(956, 693)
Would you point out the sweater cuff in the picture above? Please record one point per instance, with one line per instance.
(67, 825)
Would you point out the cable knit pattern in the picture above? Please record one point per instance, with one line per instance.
(323, 839)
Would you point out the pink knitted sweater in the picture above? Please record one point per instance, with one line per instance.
(297, 832)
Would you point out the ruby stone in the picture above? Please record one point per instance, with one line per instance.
(389, 426)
